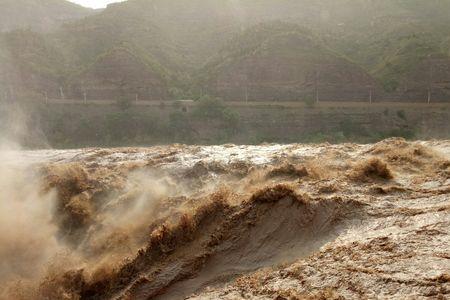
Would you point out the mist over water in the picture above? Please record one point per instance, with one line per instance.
(51, 223)
(28, 239)
(28, 236)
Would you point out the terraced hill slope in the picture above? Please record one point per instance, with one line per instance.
(397, 49)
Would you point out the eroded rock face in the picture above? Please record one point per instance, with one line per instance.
(286, 221)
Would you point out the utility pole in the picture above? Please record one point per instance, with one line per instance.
(61, 92)
(246, 94)
(137, 98)
(11, 94)
(246, 83)
(370, 96)
(317, 85)
(83, 88)
(430, 79)
(46, 97)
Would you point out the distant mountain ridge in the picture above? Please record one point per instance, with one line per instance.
(39, 15)
(240, 50)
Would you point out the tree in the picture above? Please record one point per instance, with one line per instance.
(124, 103)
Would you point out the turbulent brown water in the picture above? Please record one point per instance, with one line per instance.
(227, 222)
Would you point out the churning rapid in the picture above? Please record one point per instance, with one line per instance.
(227, 222)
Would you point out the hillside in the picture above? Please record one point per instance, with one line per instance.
(226, 49)
(32, 63)
(40, 15)
(121, 72)
(283, 62)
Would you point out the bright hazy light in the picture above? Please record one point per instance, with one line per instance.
(95, 3)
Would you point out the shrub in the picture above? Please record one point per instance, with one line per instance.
(210, 109)
(124, 103)
(309, 102)
(401, 114)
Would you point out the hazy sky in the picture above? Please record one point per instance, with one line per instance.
(95, 3)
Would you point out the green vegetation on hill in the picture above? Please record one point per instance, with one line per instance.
(282, 62)
(256, 39)
(34, 52)
(402, 57)
(181, 47)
